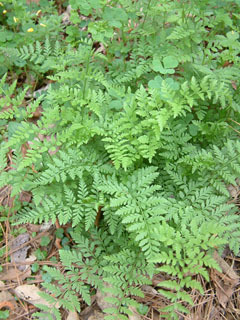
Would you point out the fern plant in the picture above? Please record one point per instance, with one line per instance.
(133, 148)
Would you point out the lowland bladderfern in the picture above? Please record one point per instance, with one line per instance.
(140, 134)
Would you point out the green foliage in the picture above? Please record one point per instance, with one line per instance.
(133, 146)
(4, 314)
(23, 23)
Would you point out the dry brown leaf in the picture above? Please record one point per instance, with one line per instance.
(13, 274)
(21, 254)
(7, 296)
(233, 190)
(30, 293)
(46, 226)
(149, 290)
(25, 196)
(96, 316)
(234, 85)
(72, 315)
(33, 227)
(100, 297)
(135, 315)
(224, 281)
(226, 268)
(7, 301)
(66, 15)
(89, 311)
(38, 112)
(5, 199)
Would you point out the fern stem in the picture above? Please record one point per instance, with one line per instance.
(145, 17)
(86, 76)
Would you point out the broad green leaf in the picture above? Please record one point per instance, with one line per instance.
(170, 62)
(156, 83)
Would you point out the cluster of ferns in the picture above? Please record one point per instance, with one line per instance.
(144, 134)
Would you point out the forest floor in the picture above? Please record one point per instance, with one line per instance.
(26, 249)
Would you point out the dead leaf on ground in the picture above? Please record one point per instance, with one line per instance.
(13, 274)
(25, 196)
(66, 15)
(72, 315)
(21, 254)
(5, 199)
(8, 302)
(30, 293)
(46, 226)
(233, 190)
(135, 315)
(7, 296)
(33, 227)
(149, 290)
(234, 85)
(97, 316)
(225, 281)
(87, 312)
(101, 295)
(35, 95)
(38, 112)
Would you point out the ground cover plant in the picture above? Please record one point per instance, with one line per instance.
(132, 142)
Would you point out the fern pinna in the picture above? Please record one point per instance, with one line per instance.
(140, 131)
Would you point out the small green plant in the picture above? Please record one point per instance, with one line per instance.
(45, 241)
(4, 314)
(23, 23)
(133, 147)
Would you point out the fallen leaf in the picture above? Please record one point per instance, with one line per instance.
(25, 196)
(225, 281)
(135, 315)
(21, 254)
(100, 297)
(89, 311)
(226, 64)
(24, 149)
(101, 49)
(226, 268)
(97, 316)
(7, 296)
(233, 190)
(7, 301)
(35, 94)
(149, 290)
(14, 274)
(6, 304)
(33, 227)
(30, 293)
(31, 258)
(72, 315)
(46, 226)
(66, 15)
(234, 85)
(5, 199)
(38, 112)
